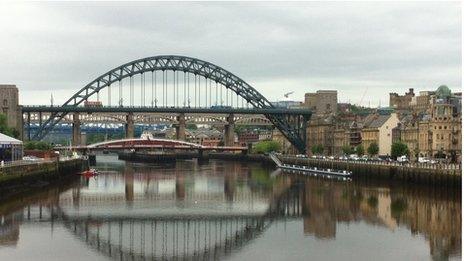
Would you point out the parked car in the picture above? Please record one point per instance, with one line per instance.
(301, 156)
(402, 159)
(423, 160)
(32, 158)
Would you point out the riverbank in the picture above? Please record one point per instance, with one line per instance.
(430, 175)
(406, 173)
(16, 179)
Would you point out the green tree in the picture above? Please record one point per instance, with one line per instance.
(37, 145)
(5, 129)
(373, 149)
(191, 127)
(399, 149)
(95, 138)
(347, 150)
(360, 150)
(30, 145)
(317, 149)
(266, 146)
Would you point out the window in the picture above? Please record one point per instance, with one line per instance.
(5, 102)
(439, 127)
(444, 127)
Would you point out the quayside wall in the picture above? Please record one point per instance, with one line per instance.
(410, 173)
(20, 177)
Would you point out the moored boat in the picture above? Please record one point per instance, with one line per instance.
(89, 173)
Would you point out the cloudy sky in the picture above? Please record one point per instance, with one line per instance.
(358, 47)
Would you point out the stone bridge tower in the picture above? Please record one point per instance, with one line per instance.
(9, 105)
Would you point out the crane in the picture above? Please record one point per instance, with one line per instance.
(362, 97)
(288, 94)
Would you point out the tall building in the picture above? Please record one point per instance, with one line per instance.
(323, 102)
(433, 129)
(9, 104)
(401, 102)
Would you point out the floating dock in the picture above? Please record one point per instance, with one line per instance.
(313, 171)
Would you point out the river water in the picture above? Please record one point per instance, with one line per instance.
(227, 211)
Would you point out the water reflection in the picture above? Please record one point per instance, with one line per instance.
(212, 211)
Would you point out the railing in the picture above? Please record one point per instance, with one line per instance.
(25, 162)
(38, 161)
(437, 166)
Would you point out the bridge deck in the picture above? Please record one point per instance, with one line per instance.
(127, 109)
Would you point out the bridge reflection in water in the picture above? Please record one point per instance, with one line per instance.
(192, 211)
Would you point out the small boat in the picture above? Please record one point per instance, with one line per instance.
(89, 173)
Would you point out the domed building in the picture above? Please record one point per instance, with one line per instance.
(440, 132)
(443, 92)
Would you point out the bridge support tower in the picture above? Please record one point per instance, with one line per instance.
(129, 126)
(229, 131)
(180, 127)
(76, 130)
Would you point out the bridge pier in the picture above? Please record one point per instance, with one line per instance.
(180, 127)
(229, 131)
(76, 130)
(129, 126)
(28, 126)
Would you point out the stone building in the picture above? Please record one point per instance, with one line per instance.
(320, 131)
(323, 102)
(9, 103)
(401, 102)
(377, 128)
(422, 102)
(434, 128)
(407, 132)
(341, 138)
(445, 124)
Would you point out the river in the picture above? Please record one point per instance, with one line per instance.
(227, 211)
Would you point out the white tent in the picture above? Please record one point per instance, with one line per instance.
(10, 148)
(4, 139)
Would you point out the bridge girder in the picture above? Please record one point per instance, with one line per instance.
(158, 118)
(293, 128)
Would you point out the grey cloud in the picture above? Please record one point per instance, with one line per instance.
(391, 46)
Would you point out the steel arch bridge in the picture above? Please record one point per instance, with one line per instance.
(229, 92)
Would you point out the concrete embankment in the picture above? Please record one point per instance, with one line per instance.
(433, 175)
(19, 178)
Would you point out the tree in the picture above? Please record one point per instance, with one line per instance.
(5, 129)
(360, 150)
(347, 150)
(266, 146)
(317, 149)
(191, 127)
(373, 149)
(37, 145)
(399, 149)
